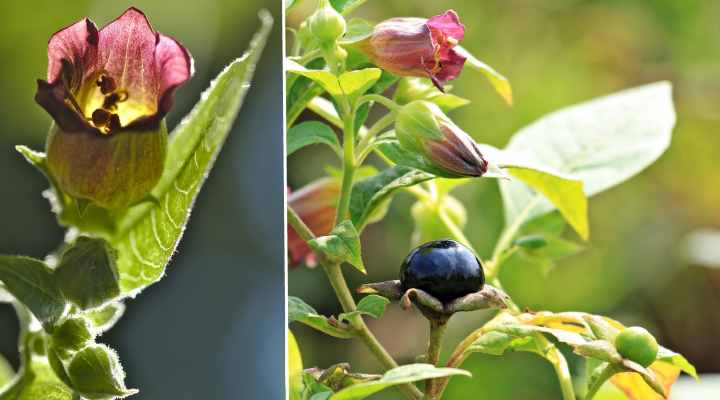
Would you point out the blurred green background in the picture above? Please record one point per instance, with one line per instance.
(211, 328)
(557, 53)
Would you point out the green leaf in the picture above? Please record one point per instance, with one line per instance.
(341, 245)
(326, 79)
(150, 233)
(601, 143)
(96, 373)
(36, 381)
(346, 6)
(671, 357)
(299, 311)
(564, 193)
(104, 318)
(371, 193)
(493, 343)
(599, 349)
(372, 305)
(349, 85)
(498, 82)
(72, 335)
(311, 132)
(32, 283)
(87, 273)
(357, 29)
(355, 83)
(448, 102)
(396, 376)
(295, 368)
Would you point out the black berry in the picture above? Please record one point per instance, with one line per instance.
(443, 268)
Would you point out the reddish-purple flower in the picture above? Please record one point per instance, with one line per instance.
(120, 77)
(315, 204)
(108, 91)
(418, 47)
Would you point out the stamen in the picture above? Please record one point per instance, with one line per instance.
(110, 102)
(107, 84)
(101, 117)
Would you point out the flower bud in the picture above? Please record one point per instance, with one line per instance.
(315, 204)
(422, 128)
(418, 47)
(113, 171)
(327, 24)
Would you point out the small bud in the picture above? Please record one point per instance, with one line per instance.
(305, 36)
(113, 171)
(326, 24)
(422, 128)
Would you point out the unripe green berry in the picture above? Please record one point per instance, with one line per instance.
(638, 345)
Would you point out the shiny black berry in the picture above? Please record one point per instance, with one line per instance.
(443, 268)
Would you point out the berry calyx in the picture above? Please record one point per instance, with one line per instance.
(444, 269)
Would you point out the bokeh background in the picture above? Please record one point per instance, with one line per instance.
(636, 268)
(212, 328)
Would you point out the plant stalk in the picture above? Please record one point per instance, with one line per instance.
(437, 332)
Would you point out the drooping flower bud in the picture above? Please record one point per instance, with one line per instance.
(422, 128)
(418, 47)
(326, 24)
(108, 91)
(315, 204)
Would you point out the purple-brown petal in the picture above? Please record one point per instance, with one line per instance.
(174, 66)
(126, 52)
(448, 24)
(71, 52)
(54, 99)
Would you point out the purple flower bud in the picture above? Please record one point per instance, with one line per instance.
(422, 128)
(418, 47)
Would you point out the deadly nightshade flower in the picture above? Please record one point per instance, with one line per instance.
(418, 47)
(315, 204)
(108, 91)
(423, 129)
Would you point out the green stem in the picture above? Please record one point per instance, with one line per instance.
(365, 143)
(507, 237)
(556, 358)
(348, 168)
(437, 332)
(388, 103)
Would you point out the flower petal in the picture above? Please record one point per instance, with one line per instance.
(77, 46)
(127, 55)
(448, 24)
(174, 66)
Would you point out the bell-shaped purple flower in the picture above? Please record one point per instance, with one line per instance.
(108, 91)
(418, 47)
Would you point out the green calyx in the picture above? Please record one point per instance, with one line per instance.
(638, 345)
(112, 171)
(417, 122)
